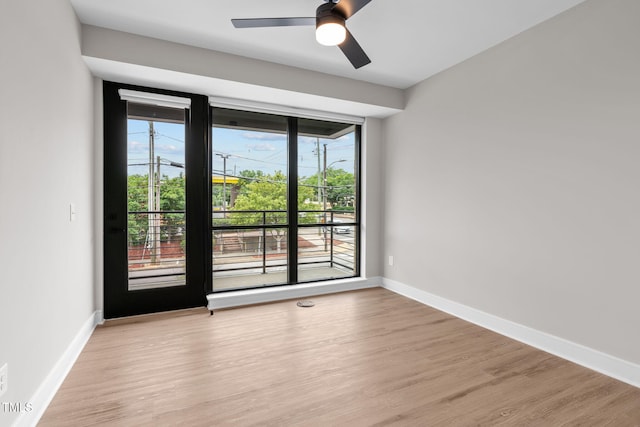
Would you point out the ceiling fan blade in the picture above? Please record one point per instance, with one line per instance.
(349, 7)
(272, 22)
(354, 53)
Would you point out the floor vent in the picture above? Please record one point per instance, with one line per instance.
(305, 303)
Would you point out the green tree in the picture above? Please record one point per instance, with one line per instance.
(247, 177)
(268, 193)
(172, 193)
(172, 198)
(340, 186)
(137, 201)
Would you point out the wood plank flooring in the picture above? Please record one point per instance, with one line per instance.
(364, 358)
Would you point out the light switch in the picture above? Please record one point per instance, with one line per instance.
(72, 212)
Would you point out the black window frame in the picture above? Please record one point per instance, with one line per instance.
(292, 201)
(118, 300)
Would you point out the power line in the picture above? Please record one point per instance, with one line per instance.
(271, 181)
(170, 137)
(250, 159)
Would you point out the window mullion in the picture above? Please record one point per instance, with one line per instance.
(292, 199)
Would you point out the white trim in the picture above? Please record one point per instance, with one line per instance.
(156, 99)
(280, 293)
(263, 107)
(99, 316)
(606, 364)
(49, 387)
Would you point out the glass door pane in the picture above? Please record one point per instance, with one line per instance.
(249, 197)
(327, 200)
(156, 227)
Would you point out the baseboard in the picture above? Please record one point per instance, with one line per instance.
(280, 293)
(606, 364)
(49, 387)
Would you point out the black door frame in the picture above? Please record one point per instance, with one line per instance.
(118, 300)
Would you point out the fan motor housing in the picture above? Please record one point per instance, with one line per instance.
(326, 14)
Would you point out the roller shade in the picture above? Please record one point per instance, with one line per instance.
(261, 107)
(155, 99)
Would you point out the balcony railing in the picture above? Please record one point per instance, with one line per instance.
(247, 244)
(254, 243)
(156, 248)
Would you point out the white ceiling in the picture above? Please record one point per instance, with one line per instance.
(407, 40)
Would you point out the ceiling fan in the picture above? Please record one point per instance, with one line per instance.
(330, 27)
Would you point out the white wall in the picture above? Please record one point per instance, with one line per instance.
(513, 180)
(46, 157)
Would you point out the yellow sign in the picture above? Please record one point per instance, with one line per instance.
(231, 180)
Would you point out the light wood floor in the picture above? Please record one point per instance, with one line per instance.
(361, 358)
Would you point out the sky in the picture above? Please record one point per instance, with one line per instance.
(246, 150)
(169, 145)
(268, 152)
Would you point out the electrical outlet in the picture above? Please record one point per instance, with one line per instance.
(390, 259)
(3, 379)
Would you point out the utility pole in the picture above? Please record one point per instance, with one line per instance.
(157, 209)
(324, 194)
(224, 181)
(319, 182)
(151, 217)
(324, 182)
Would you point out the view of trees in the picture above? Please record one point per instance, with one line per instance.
(256, 192)
(261, 192)
(264, 192)
(171, 199)
(340, 187)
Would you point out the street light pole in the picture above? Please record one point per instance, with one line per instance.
(324, 188)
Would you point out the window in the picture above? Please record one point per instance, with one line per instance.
(284, 200)
(201, 198)
(156, 225)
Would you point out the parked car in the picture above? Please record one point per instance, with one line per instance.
(341, 229)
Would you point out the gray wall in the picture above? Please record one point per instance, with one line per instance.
(372, 198)
(46, 155)
(119, 56)
(512, 180)
(509, 184)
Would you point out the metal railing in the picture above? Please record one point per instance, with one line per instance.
(243, 242)
(156, 244)
(246, 241)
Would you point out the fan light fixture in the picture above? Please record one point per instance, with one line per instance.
(330, 34)
(330, 29)
(330, 22)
